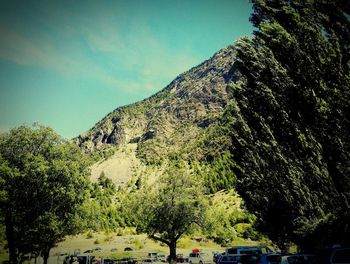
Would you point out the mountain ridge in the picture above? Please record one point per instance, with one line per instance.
(188, 105)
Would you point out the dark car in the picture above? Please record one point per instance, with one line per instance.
(298, 259)
(335, 255)
(239, 259)
(181, 258)
(216, 257)
(270, 258)
(228, 259)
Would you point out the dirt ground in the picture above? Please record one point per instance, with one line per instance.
(112, 245)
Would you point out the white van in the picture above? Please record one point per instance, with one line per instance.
(248, 250)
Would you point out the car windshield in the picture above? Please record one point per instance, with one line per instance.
(229, 258)
(341, 256)
(232, 251)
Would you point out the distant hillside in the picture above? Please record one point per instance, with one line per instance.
(167, 123)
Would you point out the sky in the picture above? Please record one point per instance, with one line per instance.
(67, 64)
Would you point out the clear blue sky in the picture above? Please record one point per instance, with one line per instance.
(66, 64)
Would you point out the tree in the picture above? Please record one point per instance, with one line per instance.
(171, 207)
(290, 126)
(43, 181)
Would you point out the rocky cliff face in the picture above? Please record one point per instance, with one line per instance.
(169, 119)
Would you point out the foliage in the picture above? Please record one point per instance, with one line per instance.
(170, 208)
(227, 219)
(289, 124)
(43, 182)
(218, 174)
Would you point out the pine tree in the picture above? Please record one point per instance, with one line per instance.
(290, 135)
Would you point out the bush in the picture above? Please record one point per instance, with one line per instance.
(184, 243)
(89, 235)
(119, 232)
(139, 243)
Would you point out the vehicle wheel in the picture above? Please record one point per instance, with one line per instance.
(200, 262)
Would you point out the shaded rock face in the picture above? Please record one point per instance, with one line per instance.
(112, 133)
(190, 103)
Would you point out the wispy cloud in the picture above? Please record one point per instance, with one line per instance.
(136, 60)
(18, 49)
(140, 53)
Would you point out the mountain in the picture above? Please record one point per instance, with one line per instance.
(167, 122)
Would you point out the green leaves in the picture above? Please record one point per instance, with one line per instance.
(43, 181)
(171, 207)
(290, 137)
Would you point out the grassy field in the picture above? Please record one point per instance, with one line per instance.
(113, 244)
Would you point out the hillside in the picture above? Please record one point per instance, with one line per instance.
(166, 123)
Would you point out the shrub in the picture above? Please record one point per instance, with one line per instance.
(89, 235)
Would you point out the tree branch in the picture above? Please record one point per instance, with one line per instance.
(159, 239)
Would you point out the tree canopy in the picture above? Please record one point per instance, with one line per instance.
(43, 181)
(289, 123)
(171, 207)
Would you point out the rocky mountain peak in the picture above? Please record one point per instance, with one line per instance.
(193, 100)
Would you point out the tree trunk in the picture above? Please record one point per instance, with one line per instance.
(172, 249)
(46, 253)
(10, 238)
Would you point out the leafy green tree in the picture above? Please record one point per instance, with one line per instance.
(43, 181)
(169, 208)
(227, 219)
(289, 125)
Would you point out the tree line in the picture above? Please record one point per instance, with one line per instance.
(46, 195)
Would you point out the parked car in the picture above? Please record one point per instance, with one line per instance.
(152, 254)
(181, 258)
(161, 257)
(239, 259)
(335, 255)
(298, 259)
(200, 258)
(127, 260)
(248, 250)
(270, 258)
(148, 261)
(157, 256)
(81, 259)
(216, 257)
(228, 259)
